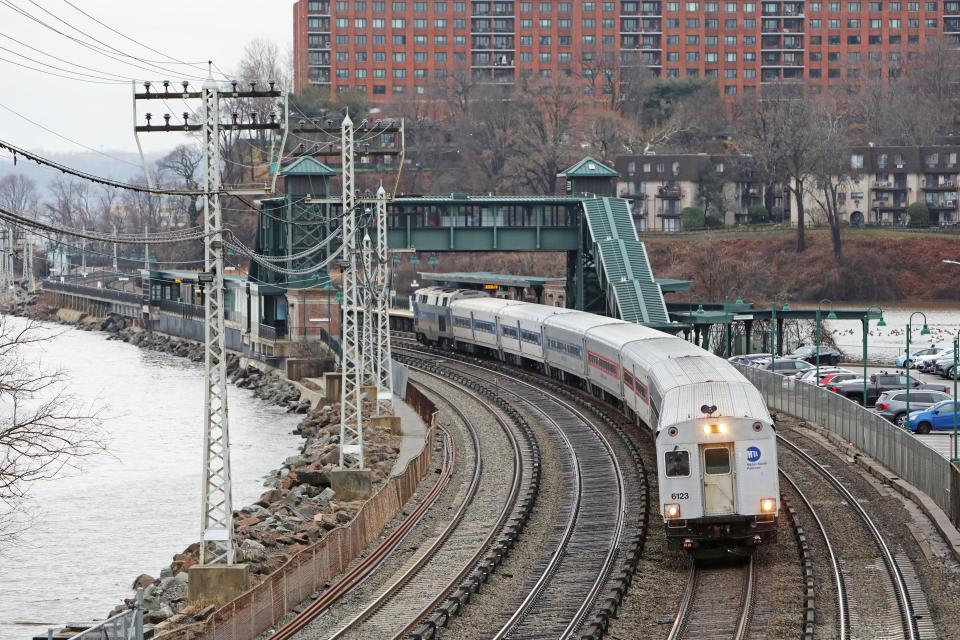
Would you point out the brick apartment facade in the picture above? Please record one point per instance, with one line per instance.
(388, 48)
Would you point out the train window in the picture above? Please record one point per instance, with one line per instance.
(677, 463)
(716, 461)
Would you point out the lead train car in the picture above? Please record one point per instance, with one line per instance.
(716, 443)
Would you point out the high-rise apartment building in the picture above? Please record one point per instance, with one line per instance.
(387, 48)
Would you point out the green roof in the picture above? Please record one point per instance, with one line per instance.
(307, 166)
(590, 168)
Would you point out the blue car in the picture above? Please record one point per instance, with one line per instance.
(938, 416)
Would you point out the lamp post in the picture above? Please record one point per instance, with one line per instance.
(925, 331)
(866, 329)
(773, 330)
(830, 316)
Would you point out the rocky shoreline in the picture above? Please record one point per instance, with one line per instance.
(298, 508)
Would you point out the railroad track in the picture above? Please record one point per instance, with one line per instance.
(856, 573)
(439, 566)
(717, 603)
(588, 537)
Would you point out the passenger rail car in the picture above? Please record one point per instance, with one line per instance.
(716, 444)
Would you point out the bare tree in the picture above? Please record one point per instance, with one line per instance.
(777, 131)
(42, 430)
(183, 163)
(544, 137)
(18, 192)
(832, 174)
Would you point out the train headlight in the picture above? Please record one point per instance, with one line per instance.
(714, 428)
(768, 505)
(672, 511)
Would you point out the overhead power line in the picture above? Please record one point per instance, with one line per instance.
(182, 235)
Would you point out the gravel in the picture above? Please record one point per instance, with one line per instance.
(939, 576)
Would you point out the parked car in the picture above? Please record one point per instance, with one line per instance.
(902, 361)
(749, 359)
(892, 405)
(837, 378)
(810, 376)
(788, 367)
(938, 416)
(828, 355)
(927, 362)
(879, 383)
(943, 366)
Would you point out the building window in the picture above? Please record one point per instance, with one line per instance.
(856, 161)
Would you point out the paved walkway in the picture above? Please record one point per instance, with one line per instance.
(413, 431)
(940, 441)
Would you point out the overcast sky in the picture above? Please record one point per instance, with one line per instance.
(100, 115)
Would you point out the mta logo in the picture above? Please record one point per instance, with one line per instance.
(753, 454)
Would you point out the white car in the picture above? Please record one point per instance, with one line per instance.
(810, 376)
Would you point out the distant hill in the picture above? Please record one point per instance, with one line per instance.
(87, 161)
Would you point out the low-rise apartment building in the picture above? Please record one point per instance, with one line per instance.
(660, 187)
(883, 181)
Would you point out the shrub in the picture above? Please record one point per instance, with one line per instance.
(776, 214)
(919, 214)
(712, 222)
(693, 218)
(758, 214)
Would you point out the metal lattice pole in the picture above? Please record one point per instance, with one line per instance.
(383, 347)
(216, 544)
(368, 293)
(351, 421)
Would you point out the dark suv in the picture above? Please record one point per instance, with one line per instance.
(828, 355)
(880, 383)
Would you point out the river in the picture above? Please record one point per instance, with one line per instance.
(128, 511)
(886, 343)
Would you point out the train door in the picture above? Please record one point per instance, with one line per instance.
(717, 463)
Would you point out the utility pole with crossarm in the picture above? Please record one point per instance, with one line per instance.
(216, 532)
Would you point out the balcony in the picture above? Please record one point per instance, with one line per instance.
(942, 205)
(889, 186)
(941, 186)
(669, 193)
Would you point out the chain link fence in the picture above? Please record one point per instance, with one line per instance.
(896, 449)
(126, 625)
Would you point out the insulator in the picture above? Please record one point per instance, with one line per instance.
(253, 117)
(273, 117)
(166, 86)
(166, 119)
(185, 85)
(236, 117)
(234, 84)
(149, 117)
(253, 85)
(146, 85)
(271, 83)
(302, 123)
(186, 118)
(329, 122)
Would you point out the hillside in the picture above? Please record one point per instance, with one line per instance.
(876, 266)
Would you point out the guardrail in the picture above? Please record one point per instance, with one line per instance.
(266, 604)
(893, 447)
(183, 309)
(92, 292)
(126, 625)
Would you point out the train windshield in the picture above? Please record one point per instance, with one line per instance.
(677, 463)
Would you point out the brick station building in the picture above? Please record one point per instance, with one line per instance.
(390, 48)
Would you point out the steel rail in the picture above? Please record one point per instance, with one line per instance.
(365, 567)
(685, 611)
(612, 550)
(843, 616)
(903, 597)
(472, 490)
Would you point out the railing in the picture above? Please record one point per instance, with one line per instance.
(183, 309)
(126, 625)
(265, 605)
(92, 292)
(896, 449)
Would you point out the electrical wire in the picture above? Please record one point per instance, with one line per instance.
(15, 150)
(60, 75)
(169, 238)
(70, 140)
(64, 60)
(149, 48)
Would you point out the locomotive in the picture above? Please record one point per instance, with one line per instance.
(715, 440)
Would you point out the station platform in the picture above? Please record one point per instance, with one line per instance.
(412, 433)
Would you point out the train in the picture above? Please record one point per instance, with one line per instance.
(715, 440)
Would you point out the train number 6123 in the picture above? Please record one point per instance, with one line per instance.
(680, 496)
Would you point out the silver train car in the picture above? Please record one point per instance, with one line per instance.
(716, 443)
